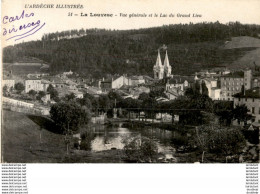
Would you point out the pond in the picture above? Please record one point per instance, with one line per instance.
(102, 137)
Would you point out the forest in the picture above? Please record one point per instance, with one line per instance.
(100, 52)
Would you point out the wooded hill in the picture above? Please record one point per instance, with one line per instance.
(97, 52)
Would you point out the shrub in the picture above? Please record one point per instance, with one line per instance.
(141, 150)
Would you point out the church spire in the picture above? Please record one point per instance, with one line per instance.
(167, 66)
(166, 61)
(158, 68)
(158, 61)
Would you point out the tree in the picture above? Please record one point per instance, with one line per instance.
(240, 113)
(69, 116)
(223, 109)
(196, 88)
(40, 95)
(205, 90)
(53, 93)
(157, 93)
(193, 107)
(220, 140)
(143, 96)
(104, 102)
(85, 102)
(32, 93)
(141, 150)
(5, 90)
(19, 87)
(242, 89)
(70, 97)
(115, 99)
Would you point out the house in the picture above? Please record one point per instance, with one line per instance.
(215, 93)
(148, 79)
(180, 82)
(232, 83)
(114, 83)
(36, 85)
(68, 73)
(55, 81)
(71, 84)
(37, 75)
(250, 98)
(137, 80)
(93, 90)
(173, 93)
(46, 98)
(256, 81)
(77, 93)
(176, 83)
(135, 92)
(212, 86)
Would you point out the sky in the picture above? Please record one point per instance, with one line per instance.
(57, 19)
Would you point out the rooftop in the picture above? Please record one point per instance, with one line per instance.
(181, 79)
(251, 93)
(239, 74)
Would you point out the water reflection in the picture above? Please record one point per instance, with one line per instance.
(102, 137)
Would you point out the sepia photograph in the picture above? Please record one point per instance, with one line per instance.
(130, 83)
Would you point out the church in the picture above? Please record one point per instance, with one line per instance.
(162, 71)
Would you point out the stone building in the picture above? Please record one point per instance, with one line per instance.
(114, 83)
(232, 83)
(251, 98)
(36, 85)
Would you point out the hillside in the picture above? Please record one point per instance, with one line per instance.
(251, 54)
(191, 47)
(249, 59)
(21, 143)
(242, 42)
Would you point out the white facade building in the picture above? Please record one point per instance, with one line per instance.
(36, 85)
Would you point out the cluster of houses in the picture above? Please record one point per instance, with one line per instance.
(241, 87)
(221, 83)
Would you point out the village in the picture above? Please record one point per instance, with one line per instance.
(38, 91)
(176, 110)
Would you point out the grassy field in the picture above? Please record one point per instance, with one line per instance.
(21, 143)
(250, 51)
(25, 68)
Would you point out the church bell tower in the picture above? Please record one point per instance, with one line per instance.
(158, 68)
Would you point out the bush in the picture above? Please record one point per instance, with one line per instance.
(224, 141)
(141, 150)
(19, 87)
(32, 93)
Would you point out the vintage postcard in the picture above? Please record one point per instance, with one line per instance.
(138, 81)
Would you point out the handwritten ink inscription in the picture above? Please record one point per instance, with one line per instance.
(21, 31)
